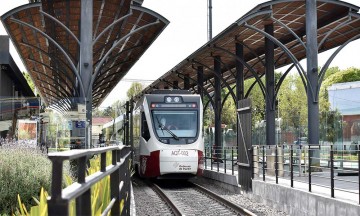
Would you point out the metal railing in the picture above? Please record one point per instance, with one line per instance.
(314, 165)
(119, 171)
(224, 157)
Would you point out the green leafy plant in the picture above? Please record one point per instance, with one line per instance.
(100, 193)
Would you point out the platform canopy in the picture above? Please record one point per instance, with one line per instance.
(47, 36)
(338, 23)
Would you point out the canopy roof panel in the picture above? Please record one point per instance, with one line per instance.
(47, 33)
(338, 24)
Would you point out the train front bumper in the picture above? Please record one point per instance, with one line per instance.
(179, 161)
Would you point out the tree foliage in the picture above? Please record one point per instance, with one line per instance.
(134, 90)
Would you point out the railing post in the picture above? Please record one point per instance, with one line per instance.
(103, 162)
(124, 179)
(218, 159)
(332, 170)
(276, 165)
(358, 154)
(263, 163)
(211, 157)
(232, 160)
(252, 161)
(83, 202)
(291, 166)
(114, 185)
(225, 159)
(56, 205)
(309, 167)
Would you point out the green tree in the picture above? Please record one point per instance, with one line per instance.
(134, 90)
(228, 112)
(292, 102)
(108, 111)
(118, 108)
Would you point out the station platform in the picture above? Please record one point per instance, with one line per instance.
(297, 200)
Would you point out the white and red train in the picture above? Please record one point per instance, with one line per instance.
(167, 135)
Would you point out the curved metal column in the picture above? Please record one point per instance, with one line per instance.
(270, 86)
(86, 62)
(312, 76)
(312, 71)
(217, 108)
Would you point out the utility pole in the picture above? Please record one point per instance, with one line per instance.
(209, 20)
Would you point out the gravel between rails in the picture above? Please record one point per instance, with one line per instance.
(239, 199)
(147, 202)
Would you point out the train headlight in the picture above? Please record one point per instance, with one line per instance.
(169, 99)
(173, 99)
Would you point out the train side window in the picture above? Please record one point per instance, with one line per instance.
(144, 127)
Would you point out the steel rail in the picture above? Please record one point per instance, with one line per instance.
(238, 209)
(165, 198)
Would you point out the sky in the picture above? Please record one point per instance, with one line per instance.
(186, 32)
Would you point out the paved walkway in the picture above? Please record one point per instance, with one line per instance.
(346, 187)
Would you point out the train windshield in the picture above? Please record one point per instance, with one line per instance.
(182, 124)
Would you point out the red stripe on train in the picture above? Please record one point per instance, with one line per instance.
(200, 169)
(150, 165)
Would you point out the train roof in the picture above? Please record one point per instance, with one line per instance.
(170, 91)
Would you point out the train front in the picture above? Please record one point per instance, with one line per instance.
(176, 123)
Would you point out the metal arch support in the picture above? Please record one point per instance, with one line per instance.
(231, 88)
(96, 93)
(289, 29)
(33, 60)
(53, 79)
(153, 13)
(112, 25)
(207, 103)
(44, 52)
(228, 69)
(252, 86)
(226, 96)
(100, 82)
(51, 84)
(278, 85)
(262, 87)
(61, 24)
(332, 57)
(58, 46)
(301, 75)
(67, 105)
(252, 52)
(333, 30)
(277, 42)
(222, 79)
(122, 52)
(167, 82)
(97, 69)
(204, 89)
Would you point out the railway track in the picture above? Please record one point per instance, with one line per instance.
(186, 198)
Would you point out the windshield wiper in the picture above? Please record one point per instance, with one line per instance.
(162, 127)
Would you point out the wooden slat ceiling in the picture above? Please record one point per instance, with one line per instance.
(49, 68)
(337, 20)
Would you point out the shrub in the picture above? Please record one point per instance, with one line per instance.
(23, 171)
